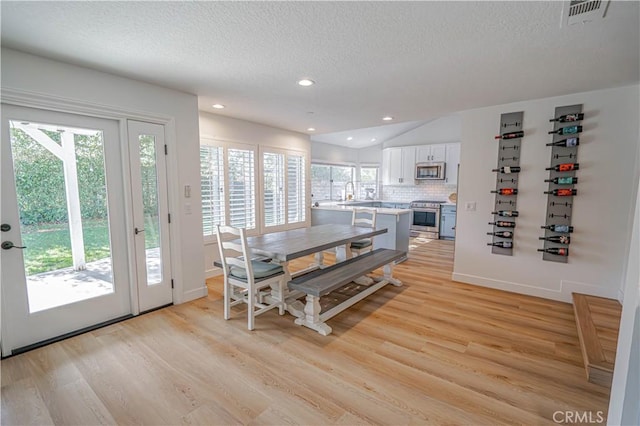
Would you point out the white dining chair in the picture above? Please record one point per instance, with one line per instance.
(365, 218)
(245, 278)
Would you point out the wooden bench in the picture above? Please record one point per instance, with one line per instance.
(324, 281)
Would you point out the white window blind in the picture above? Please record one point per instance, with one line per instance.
(296, 200)
(242, 198)
(273, 167)
(212, 187)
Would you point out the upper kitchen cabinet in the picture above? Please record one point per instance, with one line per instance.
(452, 159)
(398, 165)
(431, 153)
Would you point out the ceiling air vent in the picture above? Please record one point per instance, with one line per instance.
(582, 11)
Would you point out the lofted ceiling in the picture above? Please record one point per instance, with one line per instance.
(414, 61)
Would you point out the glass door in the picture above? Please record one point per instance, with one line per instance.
(147, 154)
(64, 247)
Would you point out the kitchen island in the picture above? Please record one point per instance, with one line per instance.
(396, 221)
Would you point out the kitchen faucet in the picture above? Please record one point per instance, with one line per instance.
(353, 190)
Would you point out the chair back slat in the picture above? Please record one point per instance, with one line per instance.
(234, 253)
(364, 217)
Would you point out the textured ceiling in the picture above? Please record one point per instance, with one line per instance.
(411, 60)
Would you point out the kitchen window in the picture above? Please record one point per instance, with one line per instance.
(368, 182)
(328, 181)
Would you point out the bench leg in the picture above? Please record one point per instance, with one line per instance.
(311, 317)
(388, 275)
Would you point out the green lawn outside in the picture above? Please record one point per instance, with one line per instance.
(49, 245)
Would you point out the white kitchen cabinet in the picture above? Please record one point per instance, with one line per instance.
(452, 161)
(447, 222)
(431, 153)
(398, 165)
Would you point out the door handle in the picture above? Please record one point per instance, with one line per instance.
(7, 245)
(137, 231)
(5, 227)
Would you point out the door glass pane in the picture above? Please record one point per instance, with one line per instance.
(62, 199)
(149, 175)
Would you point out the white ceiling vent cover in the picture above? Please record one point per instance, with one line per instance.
(582, 11)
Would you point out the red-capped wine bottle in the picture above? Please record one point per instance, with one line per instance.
(567, 180)
(507, 169)
(562, 192)
(559, 228)
(510, 135)
(506, 191)
(560, 239)
(503, 224)
(560, 251)
(570, 130)
(506, 213)
(501, 234)
(566, 142)
(565, 167)
(568, 117)
(503, 244)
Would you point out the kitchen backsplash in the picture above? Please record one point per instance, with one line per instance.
(425, 190)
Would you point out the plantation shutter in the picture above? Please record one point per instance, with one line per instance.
(242, 198)
(296, 189)
(212, 187)
(274, 213)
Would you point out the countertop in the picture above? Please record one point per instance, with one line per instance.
(341, 206)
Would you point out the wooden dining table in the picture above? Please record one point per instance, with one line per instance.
(285, 246)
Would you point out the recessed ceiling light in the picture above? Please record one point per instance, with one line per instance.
(306, 82)
(387, 118)
(311, 129)
(218, 106)
(350, 138)
(373, 139)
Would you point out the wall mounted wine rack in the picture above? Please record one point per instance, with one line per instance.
(507, 175)
(562, 179)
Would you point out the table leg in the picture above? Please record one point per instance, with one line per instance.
(388, 275)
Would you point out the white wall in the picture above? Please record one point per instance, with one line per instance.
(442, 130)
(602, 211)
(329, 153)
(624, 403)
(221, 128)
(42, 76)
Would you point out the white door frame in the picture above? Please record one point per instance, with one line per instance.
(121, 114)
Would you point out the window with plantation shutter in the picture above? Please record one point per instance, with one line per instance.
(241, 184)
(212, 187)
(296, 193)
(273, 169)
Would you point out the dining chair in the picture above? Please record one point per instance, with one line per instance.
(365, 218)
(244, 278)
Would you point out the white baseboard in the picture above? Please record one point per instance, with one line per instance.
(214, 272)
(562, 293)
(620, 296)
(195, 294)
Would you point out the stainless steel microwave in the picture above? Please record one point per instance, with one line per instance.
(433, 170)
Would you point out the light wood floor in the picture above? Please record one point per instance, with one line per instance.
(430, 352)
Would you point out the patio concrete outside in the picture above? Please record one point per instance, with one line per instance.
(63, 286)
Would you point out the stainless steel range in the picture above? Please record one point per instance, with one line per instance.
(426, 218)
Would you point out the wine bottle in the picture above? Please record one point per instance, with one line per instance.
(560, 251)
(511, 135)
(503, 244)
(507, 169)
(566, 142)
(501, 234)
(503, 224)
(505, 191)
(568, 117)
(567, 180)
(565, 167)
(570, 130)
(506, 213)
(561, 239)
(559, 228)
(563, 192)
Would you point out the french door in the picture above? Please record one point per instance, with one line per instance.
(70, 193)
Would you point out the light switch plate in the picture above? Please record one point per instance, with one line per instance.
(470, 206)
